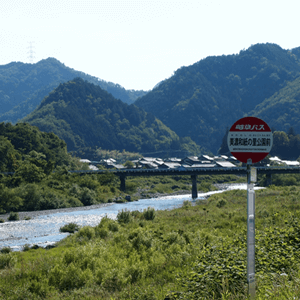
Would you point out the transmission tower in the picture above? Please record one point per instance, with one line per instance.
(30, 52)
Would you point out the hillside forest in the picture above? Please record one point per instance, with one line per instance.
(84, 115)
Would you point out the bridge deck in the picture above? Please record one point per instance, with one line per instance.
(193, 171)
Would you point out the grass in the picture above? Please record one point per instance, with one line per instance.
(193, 252)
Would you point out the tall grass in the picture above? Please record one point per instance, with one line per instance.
(193, 252)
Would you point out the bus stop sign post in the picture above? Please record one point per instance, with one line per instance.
(250, 230)
(250, 140)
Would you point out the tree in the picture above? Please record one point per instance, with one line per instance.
(129, 164)
(8, 154)
(29, 172)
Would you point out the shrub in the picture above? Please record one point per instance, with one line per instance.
(131, 187)
(124, 216)
(102, 233)
(7, 260)
(74, 202)
(5, 250)
(221, 203)
(88, 197)
(27, 218)
(113, 227)
(186, 203)
(26, 247)
(14, 216)
(136, 214)
(70, 227)
(2, 221)
(149, 213)
(86, 232)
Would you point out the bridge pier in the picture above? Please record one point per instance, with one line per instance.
(194, 187)
(269, 179)
(122, 185)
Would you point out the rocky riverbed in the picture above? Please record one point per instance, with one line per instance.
(140, 194)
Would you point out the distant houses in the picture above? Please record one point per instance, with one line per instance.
(203, 161)
(189, 162)
(290, 163)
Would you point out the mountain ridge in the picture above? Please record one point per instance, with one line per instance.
(23, 86)
(84, 115)
(215, 92)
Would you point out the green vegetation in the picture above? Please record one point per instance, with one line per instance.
(281, 109)
(71, 228)
(13, 216)
(203, 99)
(193, 252)
(33, 156)
(85, 116)
(23, 86)
(40, 163)
(197, 103)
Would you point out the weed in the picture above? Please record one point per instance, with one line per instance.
(5, 250)
(70, 227)
(124, 216)
(14, 216)
(149, 213)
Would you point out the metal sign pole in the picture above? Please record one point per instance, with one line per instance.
(250, 140)
(251, 229)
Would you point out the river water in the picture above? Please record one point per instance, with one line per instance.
(43, 230)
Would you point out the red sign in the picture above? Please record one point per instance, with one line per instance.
(250, 138)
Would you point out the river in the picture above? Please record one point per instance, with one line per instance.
(43, 229)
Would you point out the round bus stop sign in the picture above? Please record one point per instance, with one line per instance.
(250, 138)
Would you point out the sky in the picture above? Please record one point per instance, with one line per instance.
(138, 43)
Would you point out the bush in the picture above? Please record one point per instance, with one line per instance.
(131, 187)
(186, 203)
(26, 247)
(14, 216)
(87, 197)
(86, 232)
(102, 233)
(113, 227)
(5, 250)
(149, 213)
(221, 203)
(7, 260)
(124, 216)
(2, 221)
(70, 227)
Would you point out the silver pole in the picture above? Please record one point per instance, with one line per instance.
(250, 233)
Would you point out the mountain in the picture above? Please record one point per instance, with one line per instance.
(282, 110)
(23, 86)
(84, 115)
(203, 99)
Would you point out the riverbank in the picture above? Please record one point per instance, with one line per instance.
(140, 195)
(164, 258)
(34, 214)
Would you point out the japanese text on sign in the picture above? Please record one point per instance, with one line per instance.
(250, 142)
(250, 127)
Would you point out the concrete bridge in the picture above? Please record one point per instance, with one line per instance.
(193, 172)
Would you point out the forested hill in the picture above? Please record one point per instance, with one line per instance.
(282, 110)
(202, 100)
(23, 86)
(84, 115)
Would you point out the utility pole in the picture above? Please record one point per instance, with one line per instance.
(31, 53)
